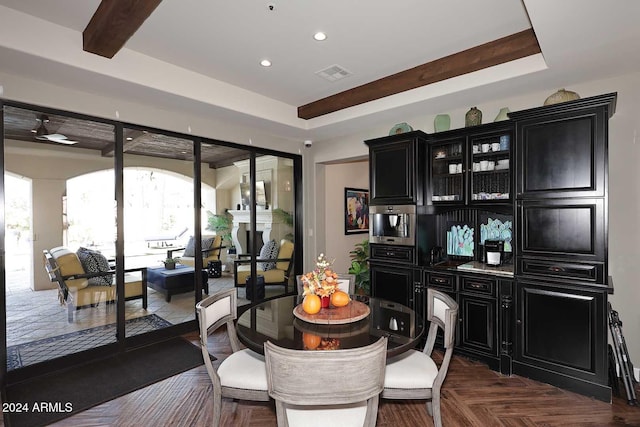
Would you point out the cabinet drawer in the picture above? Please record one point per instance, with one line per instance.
(584, 272)
(403, 254)
(445, 282)
(478, 285)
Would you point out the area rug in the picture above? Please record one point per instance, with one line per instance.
(53, 397)
(50, 348)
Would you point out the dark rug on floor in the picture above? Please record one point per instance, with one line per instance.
(61, 394)
(51, 348)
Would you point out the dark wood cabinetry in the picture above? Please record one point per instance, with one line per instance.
(397, 284)
(479, 331)
(397, 168)
(387, 253)
(561, 336)
(561, 251)
(478, 315)
(561, 149)
(547, 322)
(471, 166)
(564, 239)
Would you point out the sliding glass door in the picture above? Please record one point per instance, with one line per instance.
(95, 211)
(159, 230)
(60, 224)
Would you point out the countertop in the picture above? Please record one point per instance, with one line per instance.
(478, 267)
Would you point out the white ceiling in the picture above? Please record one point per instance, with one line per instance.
(216, 46)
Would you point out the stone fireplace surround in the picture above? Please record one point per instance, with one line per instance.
(269, 224)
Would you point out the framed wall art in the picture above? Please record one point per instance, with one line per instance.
(356, 211)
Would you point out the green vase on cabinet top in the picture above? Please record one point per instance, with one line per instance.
(502, 115)
(441, 122)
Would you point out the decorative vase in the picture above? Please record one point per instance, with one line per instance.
(473, 117)
(400, 128)
(502, 115)
(561, 96)
(325, 301)
(170, 265)
(441, 122)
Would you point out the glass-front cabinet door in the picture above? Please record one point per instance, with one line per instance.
(490, 177)
(448, 171)
(472, 166)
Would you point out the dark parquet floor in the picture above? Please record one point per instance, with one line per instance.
(473, 395)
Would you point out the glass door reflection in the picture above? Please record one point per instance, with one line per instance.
(158, 215)
(60, 202)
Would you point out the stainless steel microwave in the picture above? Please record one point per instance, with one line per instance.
(392, 225)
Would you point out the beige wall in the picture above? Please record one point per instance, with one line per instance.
(339, 176)
(624, 184)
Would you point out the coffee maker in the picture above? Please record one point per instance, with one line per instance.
(494, 252)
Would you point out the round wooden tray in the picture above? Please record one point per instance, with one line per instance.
(351, 312)
(344, 330)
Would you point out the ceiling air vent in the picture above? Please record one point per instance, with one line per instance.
(333, 73)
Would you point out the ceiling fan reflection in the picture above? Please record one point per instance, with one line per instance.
(42, 133)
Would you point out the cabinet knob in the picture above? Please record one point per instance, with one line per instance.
(519, 322)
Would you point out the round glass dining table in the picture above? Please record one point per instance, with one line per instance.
(274, 320)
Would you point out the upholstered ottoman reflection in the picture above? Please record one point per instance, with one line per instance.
(176, 281)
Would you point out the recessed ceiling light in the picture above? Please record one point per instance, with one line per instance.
(265, 63)
(320, 36)
(129, 138)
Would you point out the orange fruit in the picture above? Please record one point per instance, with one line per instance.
(310, 341)
(311, 304)
(339, 299)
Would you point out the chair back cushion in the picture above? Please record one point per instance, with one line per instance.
(290, 382)
(94, 262)
(69, 264)
(207, 242)
(269, 251)
(285, 252)
(442, 310)
(217, 242)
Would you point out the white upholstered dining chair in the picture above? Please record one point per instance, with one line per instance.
(326, 387)
(242, 375)
(414, 374)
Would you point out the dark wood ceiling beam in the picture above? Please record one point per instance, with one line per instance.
(509, 48)
(113, 23)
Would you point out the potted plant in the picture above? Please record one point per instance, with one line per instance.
(360, 267)
(222, 225)
(286, 218)
(170, 263)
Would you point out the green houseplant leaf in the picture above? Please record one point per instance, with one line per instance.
(222, 225)
(360, 266)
